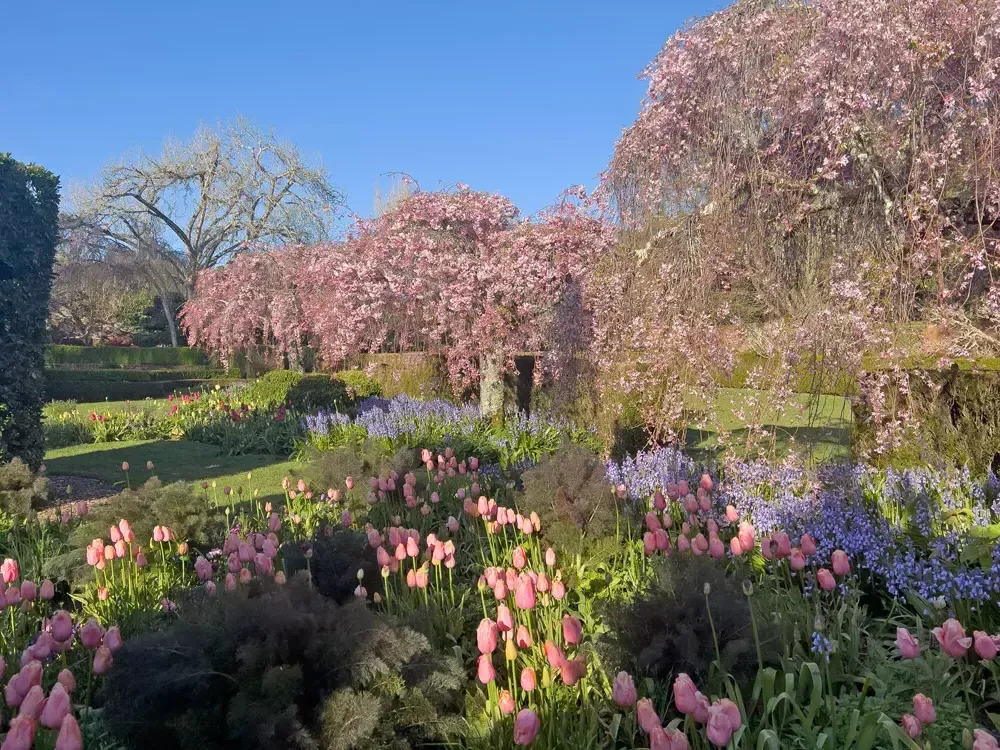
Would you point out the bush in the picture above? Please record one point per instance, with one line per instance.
(314, 392)
(20, 490)
(248, 432)
(571, 495)
(330, 468)
(272, 389)
(28, 234)
(335, 563)
(61, 355)
(132, 376)
(359, 385)
(666, 630)
(85, 391)
(261, 668)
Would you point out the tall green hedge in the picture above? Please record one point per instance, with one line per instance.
(29, 212)
(63, 355)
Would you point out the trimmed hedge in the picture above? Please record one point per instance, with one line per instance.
(29, 211)
(123, 391)
(64, 355)
(131, 376)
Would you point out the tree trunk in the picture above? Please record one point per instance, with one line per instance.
(490, 386)
(168, 313)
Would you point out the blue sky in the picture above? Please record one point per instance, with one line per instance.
(524, 98)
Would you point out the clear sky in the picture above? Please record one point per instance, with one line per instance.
(524, 98)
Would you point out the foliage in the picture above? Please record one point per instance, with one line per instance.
(250, 431)
(20, 490)
(28, 229)
(359, 384)
(334, 564)
(255, 667)
(104, 357)
(663, 631)
(571, 495)
(314, 392)
(272, 389)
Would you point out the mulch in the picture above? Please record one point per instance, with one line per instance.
(69, 489)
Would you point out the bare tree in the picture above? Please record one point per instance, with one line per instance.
(200, 203)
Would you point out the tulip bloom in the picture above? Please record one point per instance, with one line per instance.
(684, 694)
(718, 729)
(56, 708)
(553, 654)
(70, 737)
(648, 718)
(923, 709)
(572, 630)
(523, 637)
(797, 560)
(528, 681)
(841, 565)
(91, 634)
(520, 559)
(952, 638)
(909, 647)
(526, 727)
(558, 590)
(485, 671)
(33, 702)
(10, 571)
(505, 621)
(911, 725)
(986, 648)
(715, 548)
(67, 680)
(113, 638)
(506, 703)
(486, 636)
(623, 690)
(825, 580)
(47, 591)
(524, 593)
(21, 734)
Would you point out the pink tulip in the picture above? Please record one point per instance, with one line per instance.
(210, 588)
(808, 545)
(526, 727)
(797, 560)
(505, 621)
(911, 725)
(21, 734)
(572, 670)
(486, 636)
(784, 545)
(648, 543)
(746, 536)
(623, 690)
(528, 681)
(553, 654)
(33, 703)
(524, 593)
(909, 647)
(983, 740)
(140, 560)
(10, 570)
(485, 671)
(718, 729)
(572, 630)
(732, 712)
(715, 548)
(558, 590)
(203, 569)
(986, 648)
(951, 636)
(279, 578)
(231, 582)
(67, 680)
(841, 565)
(735, 547)
(923, 709)
(91, 634)
(47, 590)
(648, 718)
(113, 638)
(69, 737)
(550, 557)
(157, 533)
(826, 580)
(29, 590)
(701, 710)
(506, 703)
(102, 660)
(57, 707)
(126, 531)
(520, 559)
(662, 540)
(684, 694)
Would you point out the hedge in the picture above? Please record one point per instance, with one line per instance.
(29, 210)
(132, 376)
(85, 391)
(64, 355)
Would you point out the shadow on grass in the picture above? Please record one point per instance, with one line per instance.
(173, 461)
(831, 441)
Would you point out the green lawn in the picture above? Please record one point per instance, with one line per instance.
(174, 461)
(819, 427)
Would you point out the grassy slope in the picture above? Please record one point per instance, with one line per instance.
(174, 461)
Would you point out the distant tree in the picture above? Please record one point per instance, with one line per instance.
(201, 203)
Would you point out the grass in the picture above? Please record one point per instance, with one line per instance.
(174, 461)
(817, 426)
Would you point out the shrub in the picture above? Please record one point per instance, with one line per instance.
(571, 495)
(61, 355)
(330, 468)
(315, 392)
(28, 235)
(272, 388)
(666, 630)
(20, 489)
(359, 385)
(255, 668)
(335, 563)
(248, 432)
(88, 391)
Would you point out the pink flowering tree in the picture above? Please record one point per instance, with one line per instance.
(804, 177)
(457, 273)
